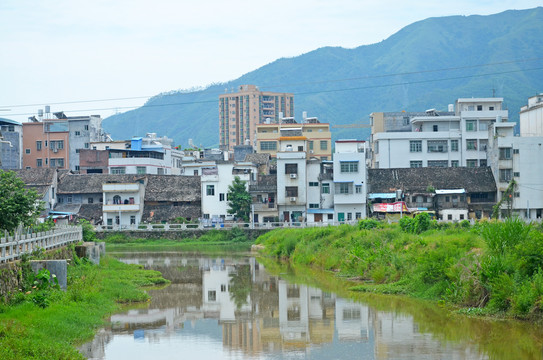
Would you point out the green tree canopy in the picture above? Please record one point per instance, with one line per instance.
(239, 199)
(18, 205)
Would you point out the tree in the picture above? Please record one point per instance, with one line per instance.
(239, 199)
(18, 205)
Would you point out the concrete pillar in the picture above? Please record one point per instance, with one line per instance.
(59, 268)
(90, 251)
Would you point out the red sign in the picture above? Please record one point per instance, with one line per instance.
(391, 207)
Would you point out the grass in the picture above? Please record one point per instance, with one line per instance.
(493, 266)
(28, 331)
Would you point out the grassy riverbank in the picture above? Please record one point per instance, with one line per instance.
(213, 241)
(46, 323)
(490, 268)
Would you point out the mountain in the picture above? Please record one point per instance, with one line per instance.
(427, 64)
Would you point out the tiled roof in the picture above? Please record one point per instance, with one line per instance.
(478, 179)
(173, 188)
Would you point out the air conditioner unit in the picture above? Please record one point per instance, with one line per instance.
(293, 198)
(311, 151)
(293, 176)
(55, 150)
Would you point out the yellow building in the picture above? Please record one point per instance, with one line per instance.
(317, 135)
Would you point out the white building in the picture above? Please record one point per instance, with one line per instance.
(320, 192)
(442, 141)
(149, 155)
(519, 158)
(123, 204)
(215, 182)
(291, 178)
(531, 117)
(11, 146)
(350, 180)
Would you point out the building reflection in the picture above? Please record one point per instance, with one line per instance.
(260, 313)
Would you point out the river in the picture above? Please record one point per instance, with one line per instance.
(234, 308)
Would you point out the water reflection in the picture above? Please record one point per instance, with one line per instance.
(234, 309)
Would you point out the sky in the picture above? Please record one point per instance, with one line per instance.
(75, 54)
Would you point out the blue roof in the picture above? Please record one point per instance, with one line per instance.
(11, 122)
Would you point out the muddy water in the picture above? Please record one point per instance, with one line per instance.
(235, 308)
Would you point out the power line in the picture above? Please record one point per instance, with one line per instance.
(301, 93)
(287, 85)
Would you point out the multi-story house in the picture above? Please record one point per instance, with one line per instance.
(320, 193)
(56, 142)
(531, 117)
(240, 112)
(123, 203)
(319, 144)
(437, 140)
(264, 194)
(44, 182)
(12, 145)
(215, 181)
(292, 176)
(148, 155)
(350, 180)
(517, 158)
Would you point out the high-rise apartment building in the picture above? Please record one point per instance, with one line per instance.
(240, 112)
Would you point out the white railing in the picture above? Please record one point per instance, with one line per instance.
(219, 226)
(12, 247)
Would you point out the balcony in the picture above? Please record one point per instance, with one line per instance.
(326, 176)
(265, 207)
(121, 207)
(121, 187)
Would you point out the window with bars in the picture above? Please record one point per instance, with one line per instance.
(415, 146)
(348, 166)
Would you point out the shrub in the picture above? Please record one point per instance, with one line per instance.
(368, 224)
(407, 224)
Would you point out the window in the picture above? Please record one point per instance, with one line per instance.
(141, 170)
(471, 125)
(482, 163)
(86, 127)
(78, 133)
(358, 215)
(437, 146)
(438, 163)
(77, 168)
(211, 295)
(77, 151)
(358, 189)
(310, 145)
(349, 216)
(515, 151)
(132, 219)
(38, 145)
(313, 206)
(505, 175)
(454, 163)
(90, 200)
(415, 145)
(435, 128)
(449, 217)
(291, 191)
(56, 163)
(505, 153)
(344, 188)
(223, 288)
(117, 199)
(312, 183)
(479, 107)
(210, 190)
(348, 166)
(268, 145)
(118, 170)
(39, 162)
(291, 168)
(69, 199)
(27, 151)
(471, 144)
(221, 196)
(325, 189)
(87, 145)
(471, 163)
(454, 145)
(516, 174)
(324, 145)
(415, 163)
